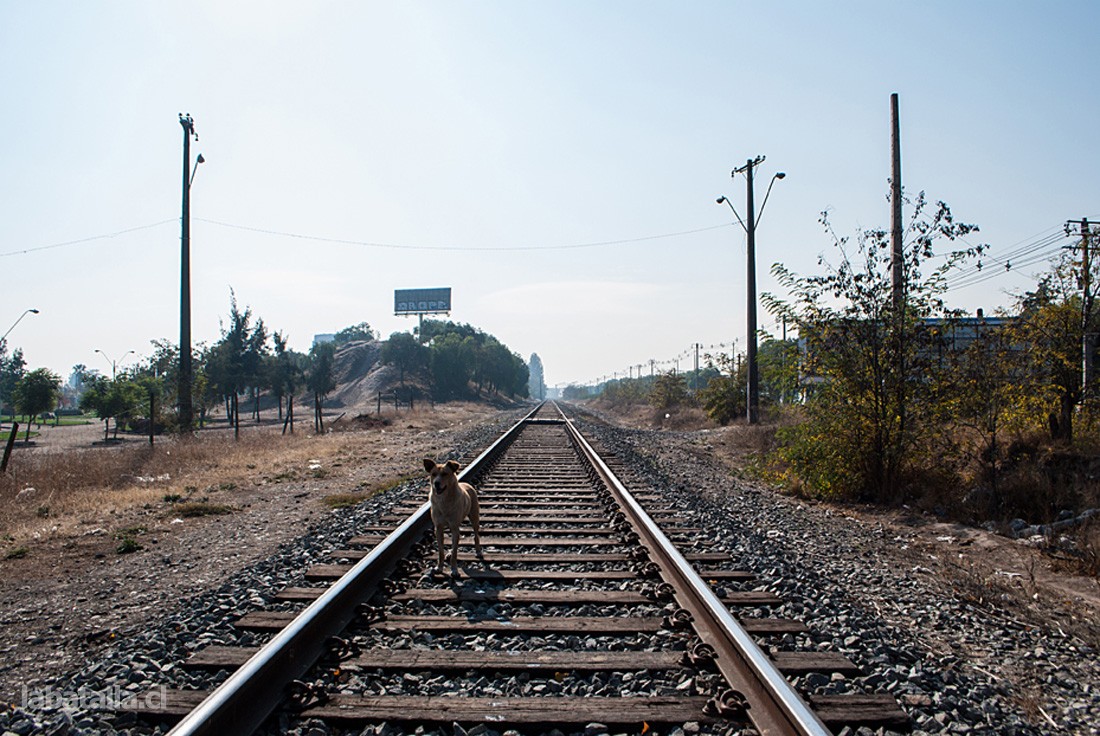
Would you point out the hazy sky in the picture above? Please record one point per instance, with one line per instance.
(476, 139)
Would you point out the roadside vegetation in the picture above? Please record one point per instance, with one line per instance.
(251, 368)
(979, 419)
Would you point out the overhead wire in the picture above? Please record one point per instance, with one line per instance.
(404, 246)
(89, 239)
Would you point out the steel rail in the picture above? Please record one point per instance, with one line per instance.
(773, 705)
(242, 703)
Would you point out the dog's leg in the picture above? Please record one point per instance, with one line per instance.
(477, 531)
(439, 547)
(454, 551)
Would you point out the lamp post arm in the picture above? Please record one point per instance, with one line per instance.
(734, 210)
(766, 195)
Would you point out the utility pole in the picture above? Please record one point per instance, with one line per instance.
(185, 410)
(1088, 339)
(752, 386)
(897, 249)
(695, 380)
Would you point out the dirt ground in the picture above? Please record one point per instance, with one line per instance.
(67, 590)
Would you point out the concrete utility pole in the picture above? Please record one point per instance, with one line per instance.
(752, 386)
(897, 247)
(1088, 339)
(186, 414)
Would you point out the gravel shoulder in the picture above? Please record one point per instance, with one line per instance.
(971, 631)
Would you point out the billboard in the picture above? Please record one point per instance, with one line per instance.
(422, 301)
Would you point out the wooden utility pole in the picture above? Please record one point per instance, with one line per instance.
(896, 247)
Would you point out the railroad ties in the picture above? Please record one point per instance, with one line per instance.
(571, 617)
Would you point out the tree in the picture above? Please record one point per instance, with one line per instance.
(404, 352)
(35, 393)
(236, 361)
(320, 378)
(669, 391)
(871, 354)
(114, 399)
(361, 331)
(12, 368)
(285, 369)
(452, 365)
(1053, 323)
(536, 387)
(724, 397)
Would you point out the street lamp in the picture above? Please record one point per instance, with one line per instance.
(114, 364)
(752, 388)
(25, 313)
(185, 411)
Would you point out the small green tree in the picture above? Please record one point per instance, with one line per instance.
(723, 398)
(361, 331)
(872, 355)
(12, 368)
(1053, 322)
(669, 392)
(320, 378)
(116, 399)
(404, 352)
(35, 393)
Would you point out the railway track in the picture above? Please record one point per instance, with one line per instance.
(583, 610)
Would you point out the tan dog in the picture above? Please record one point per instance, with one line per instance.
(452, 502)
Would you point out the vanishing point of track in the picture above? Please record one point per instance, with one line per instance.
(562, 534)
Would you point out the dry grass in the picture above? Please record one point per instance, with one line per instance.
(52, 492)
(87, 484)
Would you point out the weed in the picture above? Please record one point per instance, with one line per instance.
(227, 486)
(128, 545)
(16, 554)
(43, 512)
(172, 498)
(130, 531)
(342, 500)
(195, 509)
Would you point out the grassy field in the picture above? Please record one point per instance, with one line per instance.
(67, 421)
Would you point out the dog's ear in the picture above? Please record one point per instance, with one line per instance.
(429, 464)
(453, 465)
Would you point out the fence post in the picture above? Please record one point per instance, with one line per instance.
(7, 447)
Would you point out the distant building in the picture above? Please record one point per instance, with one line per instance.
(324, 337)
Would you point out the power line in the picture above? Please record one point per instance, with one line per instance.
(403, 246)
(88, 239)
